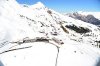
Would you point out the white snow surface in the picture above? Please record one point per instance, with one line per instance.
(18, 22)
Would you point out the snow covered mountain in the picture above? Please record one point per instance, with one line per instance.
(38, 36)
(95, 14)
(90, 17)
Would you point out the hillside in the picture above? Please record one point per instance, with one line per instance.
(39, 36)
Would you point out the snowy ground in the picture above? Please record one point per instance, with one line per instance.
(44, 54)
(20, 22)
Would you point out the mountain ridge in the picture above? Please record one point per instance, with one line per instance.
(89, 17)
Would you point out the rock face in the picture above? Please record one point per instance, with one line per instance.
(38, 36)
(86, 18)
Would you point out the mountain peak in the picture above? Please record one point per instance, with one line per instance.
(40, 4)
(37, 5)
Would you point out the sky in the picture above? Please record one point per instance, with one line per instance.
(67, 5)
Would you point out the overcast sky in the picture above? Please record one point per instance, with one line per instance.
(67, 5)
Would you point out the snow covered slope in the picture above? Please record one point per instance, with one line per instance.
(38, 36)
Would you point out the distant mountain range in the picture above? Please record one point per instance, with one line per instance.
(89, 17)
